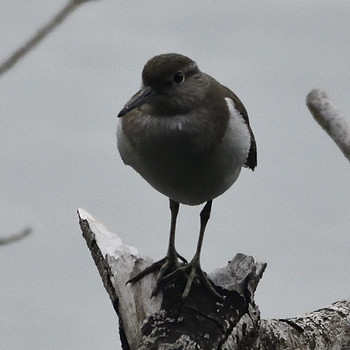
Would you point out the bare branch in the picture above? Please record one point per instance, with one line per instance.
(40, 35)
(15, 237)
(336, 124)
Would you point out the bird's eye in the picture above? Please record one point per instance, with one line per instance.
(179, 77)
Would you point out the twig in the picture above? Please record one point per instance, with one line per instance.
(15, 237)
(40, 35)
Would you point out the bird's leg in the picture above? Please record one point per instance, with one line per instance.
(170, 262)
(174, 209)
(193, 268)
(171, 258)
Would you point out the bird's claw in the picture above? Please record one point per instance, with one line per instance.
(165, 266)
(150, 269)
(169, 268)
(185, 262)
(193, 272)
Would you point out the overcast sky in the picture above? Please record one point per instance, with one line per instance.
(58, 152)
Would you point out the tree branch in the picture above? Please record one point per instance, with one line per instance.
(203, 322)
(54, 22)
(15, 237)
(331, 120)
(327, 328)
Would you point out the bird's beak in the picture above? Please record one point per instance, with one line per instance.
(140, 98)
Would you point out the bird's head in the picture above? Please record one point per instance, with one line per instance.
(171, 84)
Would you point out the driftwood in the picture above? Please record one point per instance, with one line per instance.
(203, 322)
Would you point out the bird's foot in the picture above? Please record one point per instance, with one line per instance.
(193, 272)
(165, 266)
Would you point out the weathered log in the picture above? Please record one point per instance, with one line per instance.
(202, 321)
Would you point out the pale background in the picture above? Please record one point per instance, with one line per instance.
(58, 152)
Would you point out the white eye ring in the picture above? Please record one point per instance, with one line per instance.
(179, 77)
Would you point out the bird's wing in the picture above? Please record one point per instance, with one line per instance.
(251, 161)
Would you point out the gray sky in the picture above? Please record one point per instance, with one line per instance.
(58, 152)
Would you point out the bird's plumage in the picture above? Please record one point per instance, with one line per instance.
(192, 139)
(188, 136)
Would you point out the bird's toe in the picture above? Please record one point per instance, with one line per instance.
(192, 273)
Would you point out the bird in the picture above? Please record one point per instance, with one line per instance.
(189, 137)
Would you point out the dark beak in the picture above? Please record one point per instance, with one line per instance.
(140, 98)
